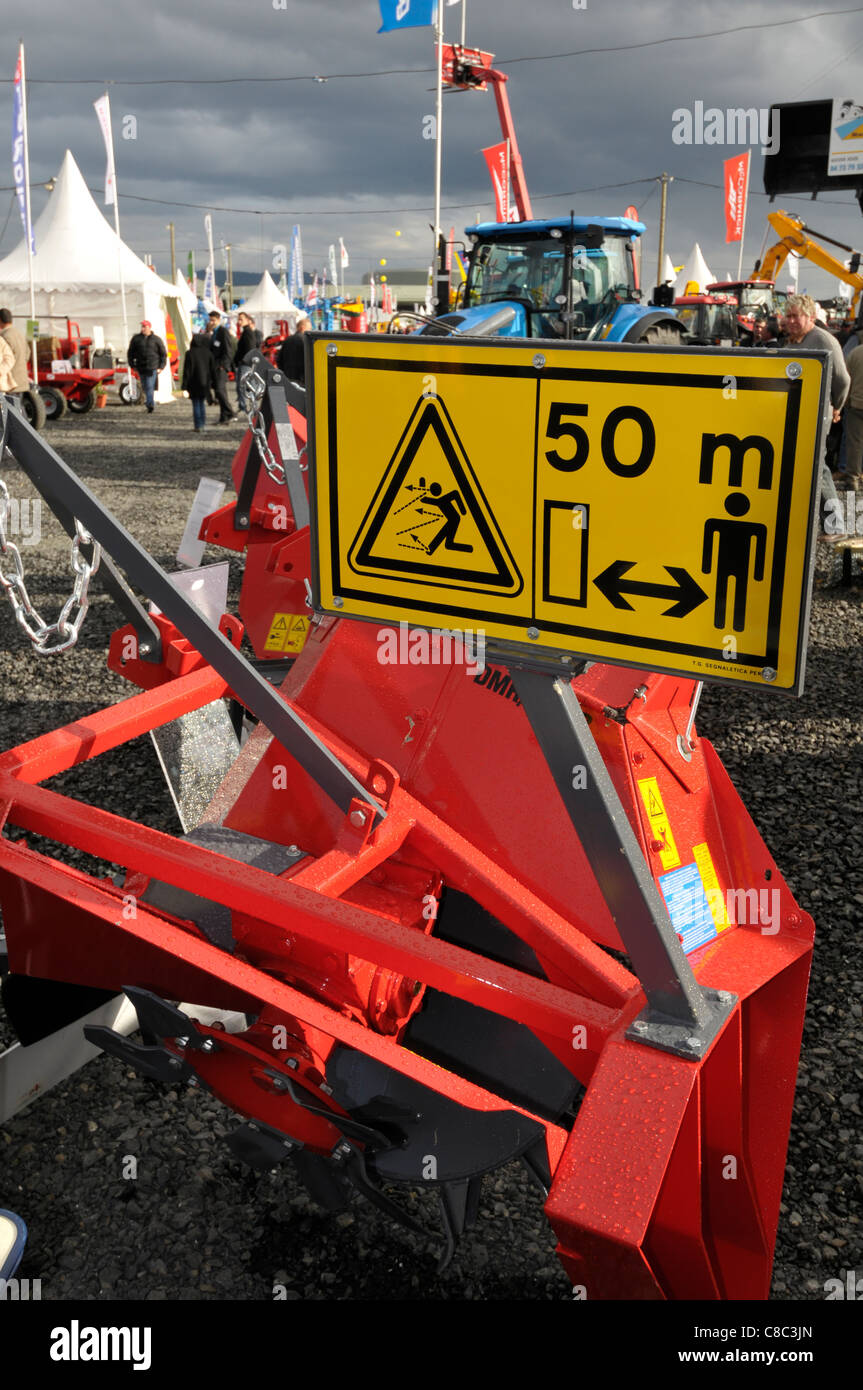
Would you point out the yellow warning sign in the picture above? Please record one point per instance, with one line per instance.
(659, 823)
(288, 632)
(613, 502)
(712, 891)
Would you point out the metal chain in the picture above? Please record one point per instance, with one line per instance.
(63, 634)
(253, 388)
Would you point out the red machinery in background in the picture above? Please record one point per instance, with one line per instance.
(388, 886)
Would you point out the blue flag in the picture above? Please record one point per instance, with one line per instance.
(406, 14)
(19, 162)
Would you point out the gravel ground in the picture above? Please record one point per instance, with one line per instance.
(196, 1224)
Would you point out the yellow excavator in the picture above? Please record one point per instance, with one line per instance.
(796, 239)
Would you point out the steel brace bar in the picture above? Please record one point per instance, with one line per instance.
(55, 480)
(681, 1016)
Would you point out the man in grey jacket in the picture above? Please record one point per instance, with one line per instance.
(800, 331)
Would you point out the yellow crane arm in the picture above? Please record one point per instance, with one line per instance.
(793, 238)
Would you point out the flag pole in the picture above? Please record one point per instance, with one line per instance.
(743, 224)
(112, 171)
(463, 20)
(28, 233)
(438, 144)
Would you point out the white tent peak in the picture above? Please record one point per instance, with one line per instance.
(668, 271)
(267, 304)
(697, 269)
(76, 248)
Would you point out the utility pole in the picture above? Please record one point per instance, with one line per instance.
(440, 291)
(230, 285)
(665, 180)
(173, 253)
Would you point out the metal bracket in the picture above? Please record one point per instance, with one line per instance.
(279, 394)
(681, 1016)
(56, 480)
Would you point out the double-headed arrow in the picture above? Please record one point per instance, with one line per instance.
(685, 592)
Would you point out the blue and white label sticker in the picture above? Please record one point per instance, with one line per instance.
(687, 905)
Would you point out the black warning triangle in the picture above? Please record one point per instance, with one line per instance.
(279, 625)
(429, 521)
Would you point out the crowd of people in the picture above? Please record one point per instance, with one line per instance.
(211, 356)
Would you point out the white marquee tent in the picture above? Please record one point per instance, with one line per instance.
(696, 271)
(267, 305)
(76, 271)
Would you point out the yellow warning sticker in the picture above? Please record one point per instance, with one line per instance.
(712, 890)
(659, 823)
(288, 632)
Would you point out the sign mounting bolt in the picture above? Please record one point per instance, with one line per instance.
(533, 633)
(793, 371)
(338, 602)
(539, 359)
(332, 349)
(767, 672)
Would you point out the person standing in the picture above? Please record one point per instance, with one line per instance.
(223, 347)
(148, 355)
(199, 378)
(7, 367)
(17, 344)
(854, 422)
(801, 331)
(292, 353)
(249, 339)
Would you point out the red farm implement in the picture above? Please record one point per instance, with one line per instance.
(446, 951)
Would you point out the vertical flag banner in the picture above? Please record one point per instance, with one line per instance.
(312, 300)
(372, 293)
(497, 159)
(296, 278)
(736, 192)
(210, 275)
(344, 254)
(103, 111)
(334, 273)
(19, 164)
(406, 14)
(191, 273)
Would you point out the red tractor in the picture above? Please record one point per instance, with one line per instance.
(68, 378)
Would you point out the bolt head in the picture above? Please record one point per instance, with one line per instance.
(338, 602)
(144, 649)
(533, 633)
(793, 370)
(767, 672)
(639, 1027)
(332, 349)
(357, 819)
(539, 359)
(693, 1042)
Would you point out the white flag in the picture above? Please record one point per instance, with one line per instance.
(334, 275)
(345, 261)
(103, 111)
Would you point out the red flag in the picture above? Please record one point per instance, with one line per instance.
(497, 159)
(736, 193)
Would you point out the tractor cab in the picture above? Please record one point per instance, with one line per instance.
(708, 319)
(759, 303)
(572, 278)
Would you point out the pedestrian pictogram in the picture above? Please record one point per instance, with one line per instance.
(611, 502)
(429, 518)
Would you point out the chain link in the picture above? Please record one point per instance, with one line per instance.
(253, 388)
(48, 639)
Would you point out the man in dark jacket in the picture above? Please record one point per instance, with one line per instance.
(223, 347)
(148, 355)
(199, 378)
(292, 353)
(249, 339)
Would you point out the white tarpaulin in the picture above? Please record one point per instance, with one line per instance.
(267, 305)
(76, 270)
(696, 270)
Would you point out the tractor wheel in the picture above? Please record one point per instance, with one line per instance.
(82, 407)
(663, 335)
(33, 407)
(130, 392)
(54, 401)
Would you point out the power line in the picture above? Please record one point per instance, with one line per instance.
(401, 72)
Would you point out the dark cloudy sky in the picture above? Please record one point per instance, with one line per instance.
(340, 156)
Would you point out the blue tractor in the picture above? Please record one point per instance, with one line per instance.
(569, 277)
